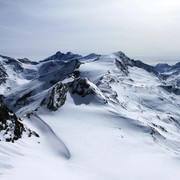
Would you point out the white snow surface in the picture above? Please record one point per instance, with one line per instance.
(134, 136)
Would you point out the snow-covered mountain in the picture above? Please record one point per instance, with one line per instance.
(171, 76)
(92, 117)
(15, 72)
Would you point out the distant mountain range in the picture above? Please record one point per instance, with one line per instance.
(92, 110)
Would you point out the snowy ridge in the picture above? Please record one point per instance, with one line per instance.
(171, 76)
(15, 72)
(90, 110)
(61, 56)
(11, 128)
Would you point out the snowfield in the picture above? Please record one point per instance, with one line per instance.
(98, 118)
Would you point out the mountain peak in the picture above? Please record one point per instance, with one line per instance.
(69, 53)
(62, 56)
(119, 54)
(58, 53)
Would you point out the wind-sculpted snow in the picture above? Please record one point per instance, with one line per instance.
(55, 143)
(110, 116)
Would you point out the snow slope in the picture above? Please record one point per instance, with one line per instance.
(15, 72)
(102, 117)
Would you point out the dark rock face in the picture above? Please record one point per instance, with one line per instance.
(3, 74)
(80, 87)
(56, 97)
(82, 91)
(11, 128)
(123, 67)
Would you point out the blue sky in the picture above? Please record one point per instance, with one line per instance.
(147, 29)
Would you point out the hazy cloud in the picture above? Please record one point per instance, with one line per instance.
(37, 29)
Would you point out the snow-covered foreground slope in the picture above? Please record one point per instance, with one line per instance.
(102, 144)
(98, 118)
